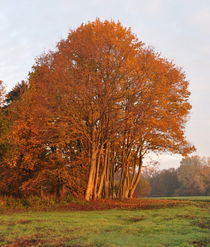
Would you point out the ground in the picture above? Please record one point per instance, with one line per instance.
(179, 224)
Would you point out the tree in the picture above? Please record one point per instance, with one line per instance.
(164, 183)
(2, 93)
(143, 189)
(98, 105)
(16, 92)
(4, 125)
(193, 176)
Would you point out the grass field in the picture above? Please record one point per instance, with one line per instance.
(184, 225)
(189, 198)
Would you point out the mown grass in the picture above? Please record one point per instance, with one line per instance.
(188, 198)
(182, 226)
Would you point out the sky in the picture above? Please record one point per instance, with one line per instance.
(178, 29)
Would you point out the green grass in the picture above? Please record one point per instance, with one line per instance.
(184, 226)
(189, 198)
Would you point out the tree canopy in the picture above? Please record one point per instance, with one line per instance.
(93, 109)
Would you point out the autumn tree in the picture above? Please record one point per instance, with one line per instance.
(193, 176)
(11, 176)
(3, 124)
(95, 108)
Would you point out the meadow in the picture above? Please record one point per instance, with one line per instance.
(188, 198)
(164, 224)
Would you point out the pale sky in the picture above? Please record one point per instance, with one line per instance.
(179, 29)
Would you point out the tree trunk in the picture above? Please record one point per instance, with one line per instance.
(91, 178)
(136, 182)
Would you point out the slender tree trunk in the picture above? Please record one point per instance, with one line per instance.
(137, 179)
(91, 178)
(107, 174)
(97, 179)
(102, 178)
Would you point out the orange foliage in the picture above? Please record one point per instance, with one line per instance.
(94, 109)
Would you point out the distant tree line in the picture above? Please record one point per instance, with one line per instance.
(191, 178)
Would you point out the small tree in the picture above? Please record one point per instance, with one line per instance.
(193, 176)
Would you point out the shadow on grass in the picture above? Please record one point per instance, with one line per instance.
(35, 240)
